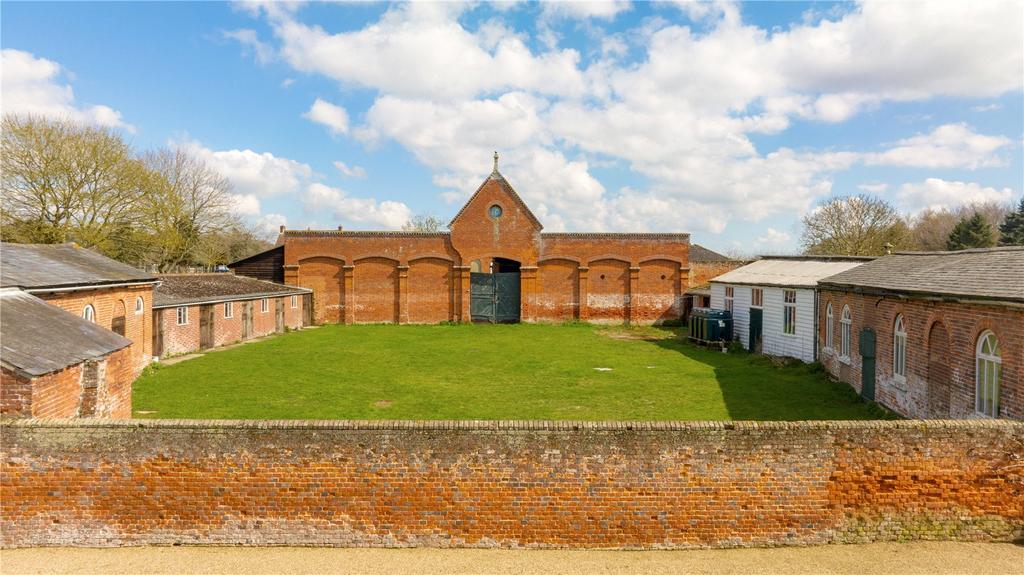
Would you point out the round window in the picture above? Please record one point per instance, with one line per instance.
(495, 211)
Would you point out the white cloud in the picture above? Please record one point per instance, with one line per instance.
(774, 238)
(246, 205)
(287, 82)
(256, 174)
(248, 38)
(583, 9)
(350, 171)
(876, 188)
(330, 115)
(269, 225)
(947, 146)
(987, 107)
(938, 194)
(32, 85)
(320, 198)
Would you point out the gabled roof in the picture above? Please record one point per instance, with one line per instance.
(792, 271)
(182, 289)
(497, 177)
(41, 266)
(700, 254)
(39, 338)
(989, 273)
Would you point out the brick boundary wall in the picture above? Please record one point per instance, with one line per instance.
(508, 484)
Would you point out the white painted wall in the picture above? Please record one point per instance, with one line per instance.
(773, 341)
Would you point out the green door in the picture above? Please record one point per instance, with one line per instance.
(754, 334)
(494, 298)
(867, 367)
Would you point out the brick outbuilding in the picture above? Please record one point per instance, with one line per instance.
(192, 312)
(931, 334)
(58, 364)
(494, 264)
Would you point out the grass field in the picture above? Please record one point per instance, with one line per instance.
(522, 371)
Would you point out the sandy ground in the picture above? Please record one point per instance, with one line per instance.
(902, 559)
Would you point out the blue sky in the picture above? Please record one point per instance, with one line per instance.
(726, 120)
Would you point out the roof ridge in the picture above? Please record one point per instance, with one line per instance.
(957, 252)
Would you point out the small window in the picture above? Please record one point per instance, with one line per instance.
(729, 294)
(899, 350)
(845, 325)
(495, 211)
(295, 301)
(756, 297)
(140, 305)
(229, 310)
(182, 315)
(830, 327)
(988, 372)
(789, 311)
(89, 313)
(264, 305)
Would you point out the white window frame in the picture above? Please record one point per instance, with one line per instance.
(988, 369)
(845, 334)
(140, 305)
(899, 349)
(181, 315)
(295, 301)
(830, 326)
(757, 298)
(264, 305)
(229, 310)
(788, 312)
(89, 313)
(730, 295)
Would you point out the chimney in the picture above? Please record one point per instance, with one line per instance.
(339, 228)
(281, 229)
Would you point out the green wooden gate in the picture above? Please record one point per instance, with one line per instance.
(754, 333)
(494, 297)
(867, 366)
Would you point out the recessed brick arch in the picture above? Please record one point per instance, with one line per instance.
(558, 296)
(375, 290)
(430, 297)
(940, 376)
(325, 275)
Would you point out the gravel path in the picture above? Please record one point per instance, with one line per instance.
(901, 559)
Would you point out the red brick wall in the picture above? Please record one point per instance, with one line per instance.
(108, 303)
(60, 394)
(952, 392)
(541, 484)
(703, 272)
(180, 339)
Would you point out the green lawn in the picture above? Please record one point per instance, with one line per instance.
(489, 372)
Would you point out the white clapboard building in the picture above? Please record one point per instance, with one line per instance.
(773, 301)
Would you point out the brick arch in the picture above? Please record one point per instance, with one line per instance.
(664, 257)
(657, 299)
(607, 257)
(547, 259)
(320, 256)
(939, 375)
(375, 255)
(608, 286)
(432, 256)
(325, 275)
(375, 289)
(119, 319)
(558, 297)
(430, 297)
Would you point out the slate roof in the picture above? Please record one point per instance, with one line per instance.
(182, 289)
(40, 266)
(700, 254)
(37, 338)
(789, 271)
(989, 273)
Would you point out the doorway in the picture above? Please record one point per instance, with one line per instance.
(754, 335)
(867, 367)
(494, 297)
(247, 320)
(206, 326)
(939, 388)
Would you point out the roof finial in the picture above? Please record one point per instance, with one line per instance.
(495, 160)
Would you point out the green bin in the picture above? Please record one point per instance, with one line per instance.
(709, 325)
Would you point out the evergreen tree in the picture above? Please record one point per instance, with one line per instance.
(1012, 229)
(971, 232)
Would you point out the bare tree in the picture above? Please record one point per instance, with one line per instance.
(63, 181)
(853, 225)
(188, 200)
(930, 230)
(423, 223)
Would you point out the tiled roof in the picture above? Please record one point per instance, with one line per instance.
(39, 266)
(618, 235)
(181, 289)
(38, 338)
(700, 254)
(802, 272)
(360, 233)
(991, 273)
(496, 176)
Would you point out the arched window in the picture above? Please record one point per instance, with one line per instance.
(89, 313)
(899, 349)
(140, 305)
(829, 326)
(845, 325)
(987, 375)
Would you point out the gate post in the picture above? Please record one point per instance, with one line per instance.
(461, 287)
(583, 295)
(349, 316)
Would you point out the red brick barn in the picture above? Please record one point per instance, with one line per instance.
(192, 312)
(495, 264)
(705, 265)
(58, 364)
(106, 292)
(932, 334)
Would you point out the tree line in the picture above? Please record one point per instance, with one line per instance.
(866, 225)
(162, 209)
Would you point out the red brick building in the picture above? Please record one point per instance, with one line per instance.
(106, 292)
(192, 312)
(495, 264)
(930, 335)
(58, 364)
(705, 265)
